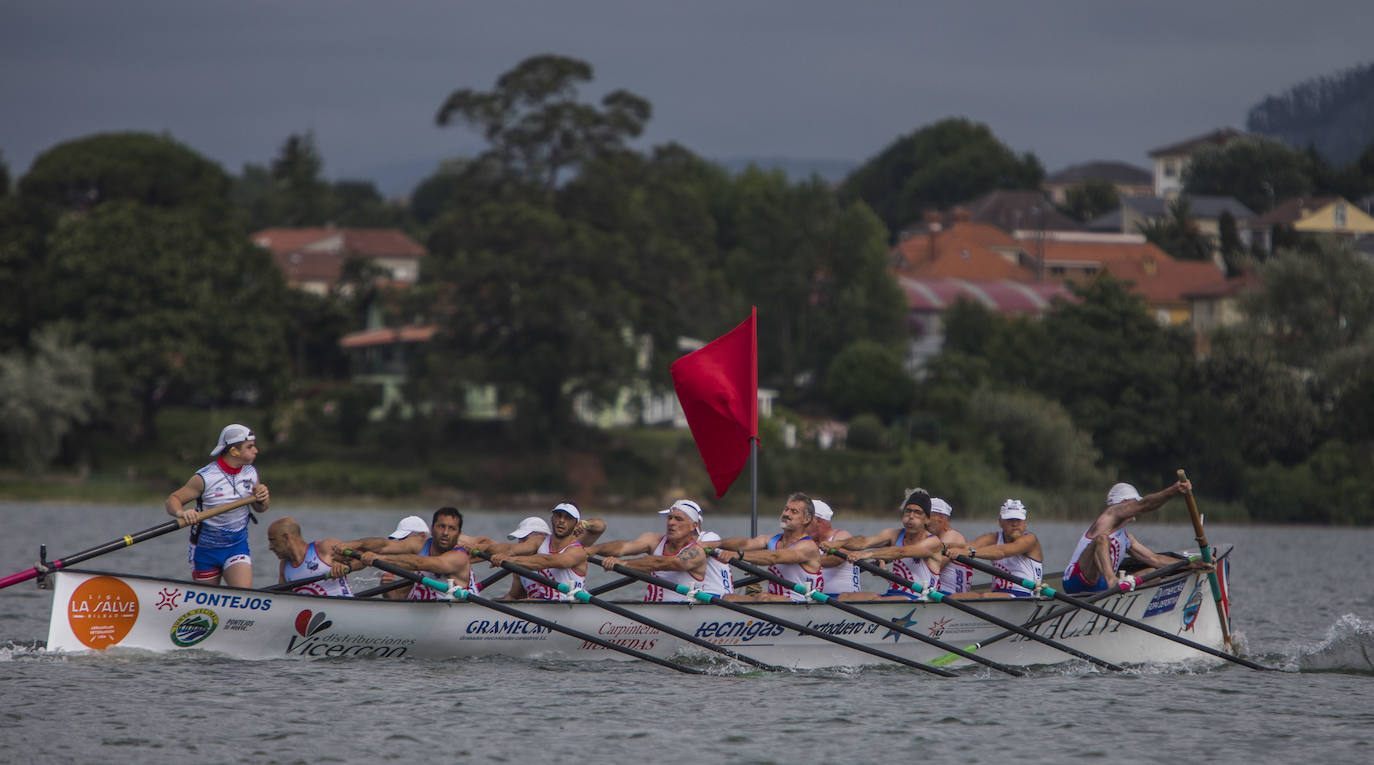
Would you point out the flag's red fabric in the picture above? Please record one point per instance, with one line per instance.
(718, 387)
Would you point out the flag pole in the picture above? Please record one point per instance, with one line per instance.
(754, 486)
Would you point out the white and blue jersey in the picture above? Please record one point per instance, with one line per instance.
(793, 572)
(221, 488)
(311, 566)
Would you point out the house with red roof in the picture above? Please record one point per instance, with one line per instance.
(313, 258)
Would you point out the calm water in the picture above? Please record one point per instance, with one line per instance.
(1318, 625)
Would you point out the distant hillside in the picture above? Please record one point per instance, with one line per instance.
(1334, 113)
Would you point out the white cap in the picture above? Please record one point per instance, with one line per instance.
(1122, 492)
(1013, 510)
(708, 536)
(570, 509)
(232, 434)
(411, 524)
(823, 510)
(689, 508)
(529, 526)
(940, 506)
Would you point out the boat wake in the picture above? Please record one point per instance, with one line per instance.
(1347, 647)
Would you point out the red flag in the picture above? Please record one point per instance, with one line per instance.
(718, 387)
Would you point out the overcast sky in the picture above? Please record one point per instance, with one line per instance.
(1069, 81)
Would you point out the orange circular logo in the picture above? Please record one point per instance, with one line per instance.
(102, 611)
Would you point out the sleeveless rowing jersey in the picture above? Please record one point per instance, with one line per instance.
(421, 592)
(221, 488)
(913, 570)
(567, 576)
(792, 572)
(655, 594)
(842, 578)
(955, 577)
(310, 566)
(1117, 544)
(1020, 567)
(718, 575)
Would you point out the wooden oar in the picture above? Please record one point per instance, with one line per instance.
(706, 597)
(891, 624)
(117, 544)
(1085, 605)
(1207, 558)
(939, 597)
(587, 597)
(950, 658)
(471, 597)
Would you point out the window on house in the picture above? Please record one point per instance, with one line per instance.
(1170, 168)
(1338, 214)
(1058, 270)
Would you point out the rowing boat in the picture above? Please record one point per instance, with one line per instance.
(98, 611)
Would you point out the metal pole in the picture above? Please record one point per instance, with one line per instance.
(753, 487)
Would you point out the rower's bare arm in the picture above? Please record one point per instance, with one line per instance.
(640, 545)
(476, 543)
(570, 558)
(1152, 502)
(804, 551)
(383, 545)
(742, 543)
(177, 500)
(448, 564)
(589, 530)
(923, 549)
(262, 497)
(882, 538)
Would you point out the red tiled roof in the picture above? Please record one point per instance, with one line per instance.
(1158, 276)
(416, 333)
(965, 250)
(367, 242)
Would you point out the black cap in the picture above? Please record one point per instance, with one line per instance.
(920, 498)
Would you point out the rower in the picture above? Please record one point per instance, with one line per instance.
(300, 560)
(716, 570)
(914, 551)
(837, 574)
(560, 556)
(1093, 565)
(675, 555)
(438, 556)
(954, 577)
(1011, 548)
(790, 554)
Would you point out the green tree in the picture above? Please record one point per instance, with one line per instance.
(1119, 373)
(1259, 172)
(304, 195)
(1316, 301)
(140, 167)
(4, 177)
(178, 305)
(868, 377)
(1088, 200)
(538, 131)
(1040, 444)
(1178, 234)
(44, 394)
(942, 164)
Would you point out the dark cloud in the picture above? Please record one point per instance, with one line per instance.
(1069, 81)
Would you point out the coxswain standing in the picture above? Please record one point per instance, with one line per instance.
(219, 545)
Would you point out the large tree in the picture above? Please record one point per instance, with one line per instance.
(537, 130)
(1259, 172)
(942, 164)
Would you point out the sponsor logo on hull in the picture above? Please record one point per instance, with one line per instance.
(101, 611)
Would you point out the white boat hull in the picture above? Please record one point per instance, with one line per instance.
(94, 611)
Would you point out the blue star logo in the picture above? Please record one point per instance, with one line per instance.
(905, 621)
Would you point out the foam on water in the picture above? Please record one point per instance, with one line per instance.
(1347, 647)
